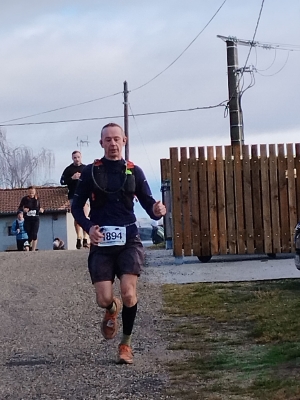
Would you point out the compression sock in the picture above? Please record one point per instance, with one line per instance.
(128, 317)
(126, 339)
(112, 308)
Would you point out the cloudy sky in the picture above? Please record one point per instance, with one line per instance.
(59, 53)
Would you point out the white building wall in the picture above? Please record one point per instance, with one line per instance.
(7, 242)
(70, 242)
(51, 226)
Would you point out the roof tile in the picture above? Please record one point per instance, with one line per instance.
(54, 198)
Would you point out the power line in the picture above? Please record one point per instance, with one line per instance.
(264, 45)
(62, 108)
(114, 94)
(277, 72)
(143, 144)
(173, 62)
(117, 116)
(255, 30)
(272, 63)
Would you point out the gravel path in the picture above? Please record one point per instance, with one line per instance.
(51, 345)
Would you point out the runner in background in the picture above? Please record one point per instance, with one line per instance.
(70, 177)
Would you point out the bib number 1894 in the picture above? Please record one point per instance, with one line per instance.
(113, 236)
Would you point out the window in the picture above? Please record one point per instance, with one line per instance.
(9, 231)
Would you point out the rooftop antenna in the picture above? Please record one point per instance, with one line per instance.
(81, 142)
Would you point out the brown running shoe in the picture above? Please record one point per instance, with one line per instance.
(125, 354)
(109, 326)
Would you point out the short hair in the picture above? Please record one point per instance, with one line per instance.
(76, 151)
(34, 188)
(112, 125)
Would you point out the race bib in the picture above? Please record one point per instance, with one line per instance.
(31, 213)
(113, 236)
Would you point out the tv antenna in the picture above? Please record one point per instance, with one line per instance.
(81, 142)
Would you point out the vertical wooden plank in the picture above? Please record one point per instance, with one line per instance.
(221, 201)
(203, 203)
(283, 199)
(230, 201)
(239, 204)
(274, 199)
(256, 200)
(165, 169)
(265, 193)
(291, 192)
(212, 200)
(248, 201)
(297, 166)
(195, 207)
(176, 202)
(185, 201)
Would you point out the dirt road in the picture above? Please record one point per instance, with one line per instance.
(51, 345)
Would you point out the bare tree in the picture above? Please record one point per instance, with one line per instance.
(19, 167)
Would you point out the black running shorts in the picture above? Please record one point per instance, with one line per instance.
(31, 226)
(105, 263)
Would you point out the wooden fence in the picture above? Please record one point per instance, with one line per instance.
(227, 200)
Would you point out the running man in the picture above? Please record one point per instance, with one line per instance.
(111, 184)
(70, 178)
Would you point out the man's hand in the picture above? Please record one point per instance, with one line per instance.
(18, 230)
(76, 175)
(95, 235)
(159, 210)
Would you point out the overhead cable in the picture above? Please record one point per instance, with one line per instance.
(255, 30)
(114, 94)
(176, 59)
(277, 72)
(62, 108)
(116, 116)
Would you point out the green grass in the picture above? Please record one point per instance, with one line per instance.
(234, 340)
(160, 246)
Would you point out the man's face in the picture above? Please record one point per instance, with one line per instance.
(20, 216)
(31, 192)
(76, 158)
(112, 141)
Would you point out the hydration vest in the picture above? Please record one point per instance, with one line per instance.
(101, 192)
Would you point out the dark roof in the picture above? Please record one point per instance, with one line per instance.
(54, 198)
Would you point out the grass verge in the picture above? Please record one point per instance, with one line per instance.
(234, 340)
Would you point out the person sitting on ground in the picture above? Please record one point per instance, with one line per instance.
(21, 235)
(58, 244)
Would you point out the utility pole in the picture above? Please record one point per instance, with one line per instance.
(126, 120)
(235, 112)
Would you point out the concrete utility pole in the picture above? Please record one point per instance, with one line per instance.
(235, 112)
(126, 131)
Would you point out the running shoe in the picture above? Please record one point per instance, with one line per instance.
(109, 326)
(125, 354)
(78, 244)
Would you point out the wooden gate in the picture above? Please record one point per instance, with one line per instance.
(227, 200)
